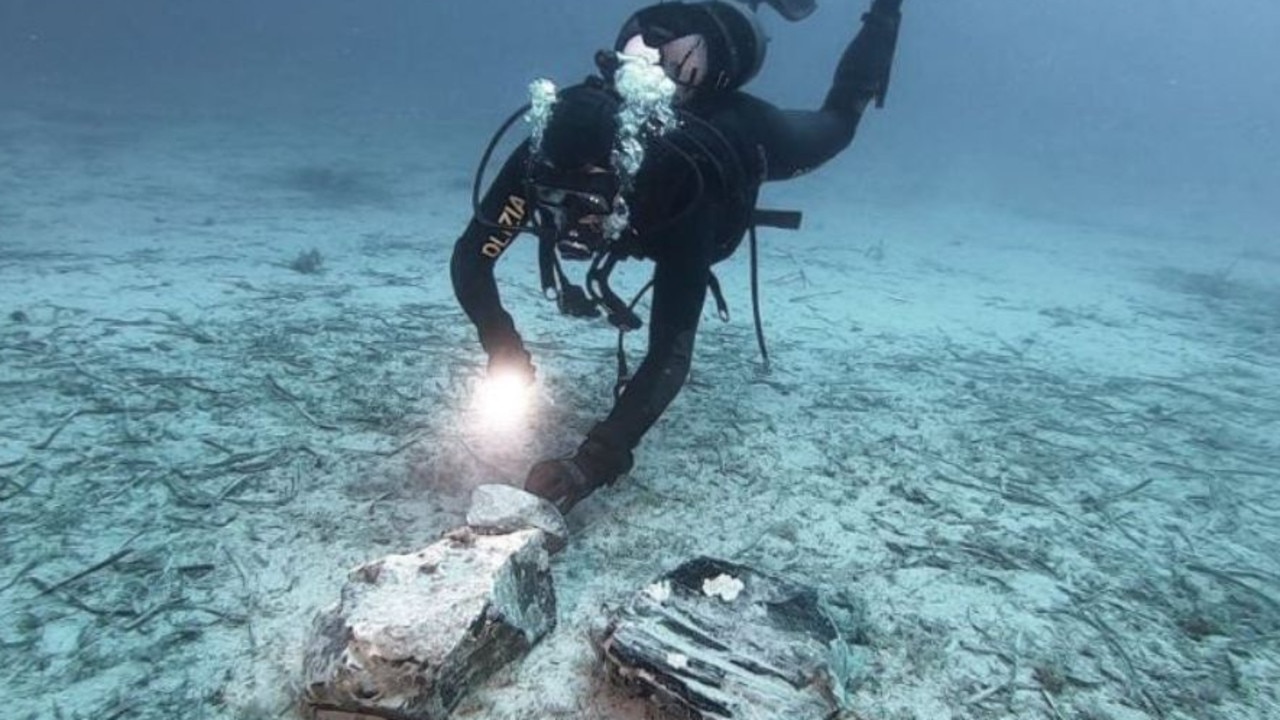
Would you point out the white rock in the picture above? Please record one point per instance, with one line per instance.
(499, 509)
(414, 633)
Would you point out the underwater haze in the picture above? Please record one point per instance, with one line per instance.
(1161, 111)
(1022, 406)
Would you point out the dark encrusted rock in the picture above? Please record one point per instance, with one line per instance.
(722, 641)
(413, 634)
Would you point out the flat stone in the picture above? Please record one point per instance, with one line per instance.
(722, 641)
(413, 634)
(499, 509)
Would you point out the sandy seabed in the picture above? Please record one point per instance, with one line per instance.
(1039, 454)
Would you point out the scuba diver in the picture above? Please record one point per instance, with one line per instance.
(621, 166)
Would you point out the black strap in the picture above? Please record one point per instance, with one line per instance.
(722, 307)
(619, 314)
(624, 374)
(548, 265)
(623, 315)
(755, 299)
(781, 219)
(570, 298)
(573, 301)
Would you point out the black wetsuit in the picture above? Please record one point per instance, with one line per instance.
(745, 141)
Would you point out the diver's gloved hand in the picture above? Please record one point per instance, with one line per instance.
(569, 480)
(887, 8)
(511, 357)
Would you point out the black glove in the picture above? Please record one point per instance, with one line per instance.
(883, 20)
(510, 356)
(887, 8)
(569, 480)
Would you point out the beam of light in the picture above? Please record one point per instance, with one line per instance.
(502, 400)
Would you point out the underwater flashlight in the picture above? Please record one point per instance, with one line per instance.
(503, 398)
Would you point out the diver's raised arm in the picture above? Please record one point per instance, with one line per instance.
(865, 67)
(795, 142)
